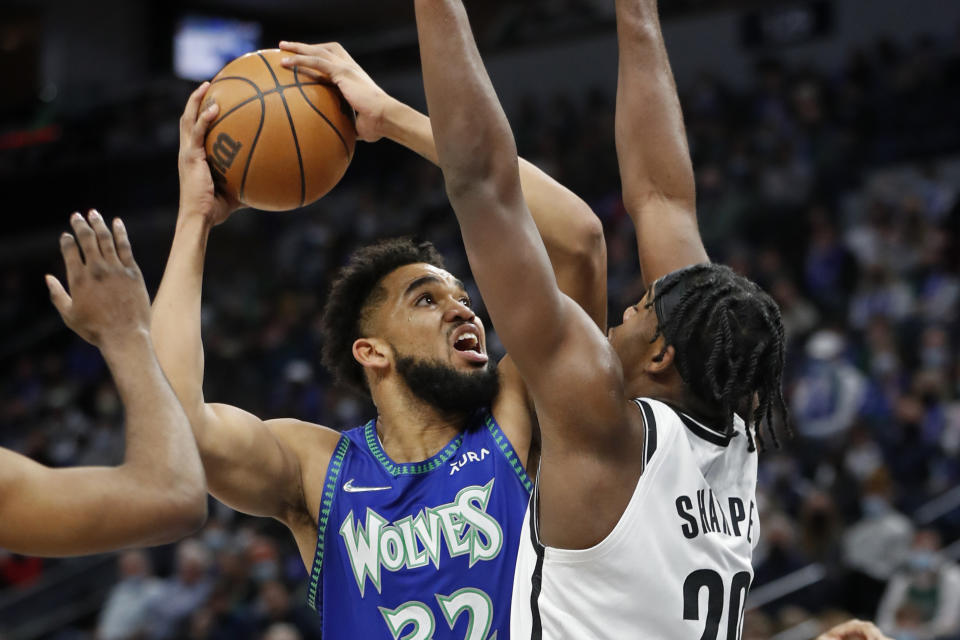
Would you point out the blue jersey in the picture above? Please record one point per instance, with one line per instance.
(421, 550)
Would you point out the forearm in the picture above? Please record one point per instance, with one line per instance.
(161, 455)
(158, 436)
(650, 136)
(176, 316)
(475, 146)
(157, 495)
(655, 166)
(572, 234)
(480, 166)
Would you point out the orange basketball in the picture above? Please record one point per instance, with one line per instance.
(281, 139)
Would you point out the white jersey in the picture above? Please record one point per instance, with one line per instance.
(676, 565)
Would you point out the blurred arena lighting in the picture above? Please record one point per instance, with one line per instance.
(203, 44)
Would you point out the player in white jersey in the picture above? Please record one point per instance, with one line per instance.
(643, 521)
(666, 553)
(644, 518)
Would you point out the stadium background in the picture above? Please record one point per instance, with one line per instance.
(826, 143)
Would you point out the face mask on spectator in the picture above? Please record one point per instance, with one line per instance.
(922, 561)
(873, 506)
(934, 357)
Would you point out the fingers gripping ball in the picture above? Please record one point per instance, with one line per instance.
(281, 139)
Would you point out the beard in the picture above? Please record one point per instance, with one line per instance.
(447, 389)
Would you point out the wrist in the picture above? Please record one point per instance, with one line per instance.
(194, 218)
(396, 120)
(409, 128)
(119, 344)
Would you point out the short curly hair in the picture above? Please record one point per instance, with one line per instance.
(355, 292)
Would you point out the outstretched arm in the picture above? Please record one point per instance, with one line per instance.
(655, 167)
(572, 234)
(251, 465)
(573, 374)
(158, 494)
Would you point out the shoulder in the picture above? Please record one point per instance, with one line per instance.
(305, 439)
(660, 420)
(312, 446)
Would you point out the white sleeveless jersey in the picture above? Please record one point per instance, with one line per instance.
(677, 564)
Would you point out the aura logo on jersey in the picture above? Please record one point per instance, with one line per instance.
(467, 458)
(463, 526)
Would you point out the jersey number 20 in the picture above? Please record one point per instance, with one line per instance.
(713, 583)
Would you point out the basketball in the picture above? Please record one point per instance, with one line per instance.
(282, 139)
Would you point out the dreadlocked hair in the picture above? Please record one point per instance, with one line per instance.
(729, 343)
(355, 292)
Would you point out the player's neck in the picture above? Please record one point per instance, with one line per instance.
(412, 430)
(673, 392)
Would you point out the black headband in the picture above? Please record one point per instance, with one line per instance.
(666, 303)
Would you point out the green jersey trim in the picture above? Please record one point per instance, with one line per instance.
(503, 443)
(408, 468)
(329, 491)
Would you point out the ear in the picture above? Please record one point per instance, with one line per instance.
(663, 360)
(371, 353)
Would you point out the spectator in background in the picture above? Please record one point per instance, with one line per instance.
(776, 554)
(800, 317)
(274, 606)
(19, 571)
(922, 600)
(880, 294)
(830, 391)
(181, 594)
(829, 268)
(222, 619)
(875, 546)
(282, 631)
(124, 615)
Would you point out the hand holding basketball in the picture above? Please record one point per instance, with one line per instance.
(330, 61)
(197, 193)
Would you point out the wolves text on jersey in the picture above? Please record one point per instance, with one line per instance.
(710, 516)
(415, 541)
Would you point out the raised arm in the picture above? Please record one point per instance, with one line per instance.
(251, 465)
(568, 364)
(158, 494)
(655, 168)
(571, 232)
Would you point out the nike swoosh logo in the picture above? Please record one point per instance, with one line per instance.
(349, 488)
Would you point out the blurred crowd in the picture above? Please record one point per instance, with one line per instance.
(832, 188)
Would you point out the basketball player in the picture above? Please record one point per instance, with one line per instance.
(158, 494)
(644, 518)
(409, 524)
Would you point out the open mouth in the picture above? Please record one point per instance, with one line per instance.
(467, 344)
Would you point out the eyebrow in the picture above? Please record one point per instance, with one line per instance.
(424, 280)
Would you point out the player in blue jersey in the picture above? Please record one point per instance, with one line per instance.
(408, 524)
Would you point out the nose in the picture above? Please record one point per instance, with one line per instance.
(457, 311)
(629, 312)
